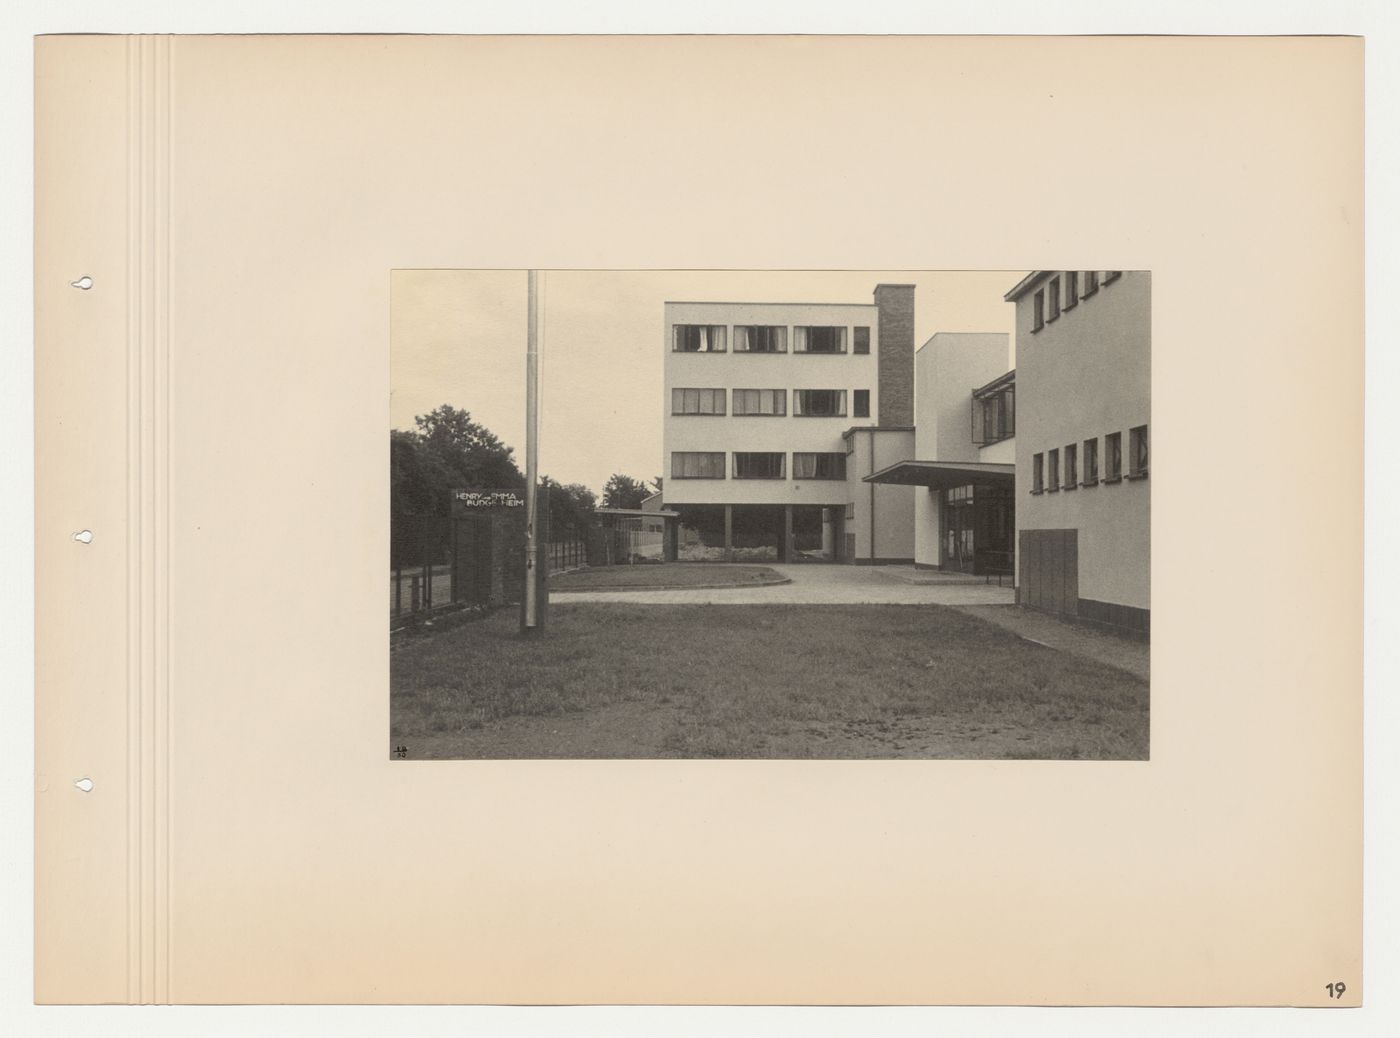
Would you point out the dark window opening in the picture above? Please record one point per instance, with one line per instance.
(1137, 452)
(1091, 461)
(818, 339)
(819, 403)
(1113, 457)
(698, 338)
(818, 466)
(760, 338)
(759, 465)
(994, 416)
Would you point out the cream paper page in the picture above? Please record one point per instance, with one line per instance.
(213, 409)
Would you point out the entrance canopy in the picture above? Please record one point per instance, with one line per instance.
(941, 475)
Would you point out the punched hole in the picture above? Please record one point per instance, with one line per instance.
(85, 784)
(83, 535)
(83, 282)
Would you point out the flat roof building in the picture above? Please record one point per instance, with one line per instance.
(1083, 497)
(775, 412)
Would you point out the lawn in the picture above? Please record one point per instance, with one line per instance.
(613, 680)
(671, 574)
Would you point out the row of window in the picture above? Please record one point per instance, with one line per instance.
(1082, 470)
(806, 403)
(768, 338)
(1064, 291)
(994, 415)
(758, 465)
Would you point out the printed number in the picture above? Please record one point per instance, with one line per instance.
(1336, 989)
(401, 752)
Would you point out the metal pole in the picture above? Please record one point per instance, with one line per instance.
(532, 378)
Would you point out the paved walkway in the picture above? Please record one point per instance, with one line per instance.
(1075, 639)
(814, 584)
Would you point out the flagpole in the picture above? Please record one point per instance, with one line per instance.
(530, 623)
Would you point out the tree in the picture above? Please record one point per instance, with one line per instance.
(448, 450)
(570, 506)
(624, 492)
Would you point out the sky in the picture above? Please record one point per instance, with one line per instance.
(458, 337)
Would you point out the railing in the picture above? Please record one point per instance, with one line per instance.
(569, 554)
(999, 564)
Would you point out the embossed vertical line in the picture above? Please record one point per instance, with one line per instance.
(166, 410)
(133, 526)
(146, 527)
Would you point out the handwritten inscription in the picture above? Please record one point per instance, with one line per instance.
(487, 499)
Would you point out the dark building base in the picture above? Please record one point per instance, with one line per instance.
(1125, 621)
(1120, 619)
(881, 562)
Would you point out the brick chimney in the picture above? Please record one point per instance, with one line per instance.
(896, 359)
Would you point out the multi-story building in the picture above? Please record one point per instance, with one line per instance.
(775, 413)
(814, 430)
(1083, 374)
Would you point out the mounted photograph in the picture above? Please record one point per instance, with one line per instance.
(769, 514)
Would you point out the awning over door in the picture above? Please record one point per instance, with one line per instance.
(940, 475)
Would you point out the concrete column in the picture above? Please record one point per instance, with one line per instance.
(785, 555)
(728, 533)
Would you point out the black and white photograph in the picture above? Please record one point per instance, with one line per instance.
(770, 514)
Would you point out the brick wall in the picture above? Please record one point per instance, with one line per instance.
(896, 360)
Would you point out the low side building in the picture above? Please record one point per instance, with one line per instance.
(961, 455)
(1083, 497)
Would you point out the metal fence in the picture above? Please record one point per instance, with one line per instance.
(436, 561)
(566, 554)
(628, 539)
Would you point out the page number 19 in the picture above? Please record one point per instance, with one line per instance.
(1336, 989)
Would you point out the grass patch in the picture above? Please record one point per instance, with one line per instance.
(671, 574)
(775, 681)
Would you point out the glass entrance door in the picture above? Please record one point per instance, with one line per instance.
(959, 522)
(978, 525)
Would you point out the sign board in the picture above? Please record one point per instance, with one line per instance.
(471, 502)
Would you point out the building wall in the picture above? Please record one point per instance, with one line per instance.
(1081, 376)
(947, 369)
(787, 371)
(892, 505)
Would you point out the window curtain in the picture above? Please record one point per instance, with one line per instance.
(800, 338)
(1139, 446)
(759, 402)
(743, 340)
(712, 338)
